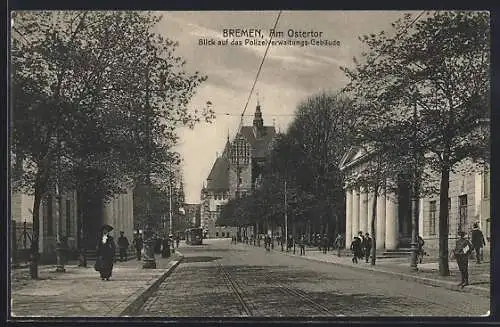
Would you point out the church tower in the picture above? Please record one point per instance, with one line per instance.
(258, 122)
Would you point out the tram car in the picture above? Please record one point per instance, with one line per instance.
(194, 236)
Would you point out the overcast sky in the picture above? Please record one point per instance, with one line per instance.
(289, 75)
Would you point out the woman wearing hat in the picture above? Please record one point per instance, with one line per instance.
(105, 253)
(462, 250)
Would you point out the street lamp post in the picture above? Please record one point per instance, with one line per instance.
(415, 195)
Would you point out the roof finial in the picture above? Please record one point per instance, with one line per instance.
(258, 102)
(228, 134)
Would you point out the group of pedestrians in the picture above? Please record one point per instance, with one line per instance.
(361, 247)
(106, 249)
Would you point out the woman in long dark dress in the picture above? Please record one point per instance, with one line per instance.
(106, 254)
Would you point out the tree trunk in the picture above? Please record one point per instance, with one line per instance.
(444, 269)
(374, 230)
(35, 243)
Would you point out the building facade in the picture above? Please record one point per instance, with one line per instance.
(236, 172)
(468, 202)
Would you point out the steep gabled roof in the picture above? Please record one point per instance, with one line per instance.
(218, 179)
(261, 145)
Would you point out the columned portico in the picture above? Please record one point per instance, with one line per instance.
(391, 222)
(380, 234)
(348, 215)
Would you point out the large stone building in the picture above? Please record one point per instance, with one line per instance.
(235, 172)
(62, 217)
(468, 202)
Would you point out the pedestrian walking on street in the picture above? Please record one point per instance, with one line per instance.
(367, 246)
(123, 245)
(361, 252)
(478, 242)
(302, 244)
(324, 242)
(177, 241)
(462, 250)
(356, 249)
(105, 253)
(138, 243)
(339, 241)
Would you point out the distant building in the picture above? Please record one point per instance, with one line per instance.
(192, 214)
(236, 172)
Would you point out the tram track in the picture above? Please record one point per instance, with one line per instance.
(237, 291)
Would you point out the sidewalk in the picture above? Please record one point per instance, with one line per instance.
(428, 271)
(79, 292)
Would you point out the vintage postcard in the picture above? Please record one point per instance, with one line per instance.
(222, 164)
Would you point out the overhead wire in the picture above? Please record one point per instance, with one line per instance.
(258, 71)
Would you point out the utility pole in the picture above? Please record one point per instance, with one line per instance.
(59, 239)
(286, 219)
(149, 254)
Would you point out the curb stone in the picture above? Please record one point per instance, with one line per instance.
(422, 280)
(127, 308)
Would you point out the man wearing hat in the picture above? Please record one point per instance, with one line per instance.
(478, 241)
(462, 250)
(367, 246)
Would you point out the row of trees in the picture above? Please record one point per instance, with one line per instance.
(97, 98)
(416, 102)
(307, 157)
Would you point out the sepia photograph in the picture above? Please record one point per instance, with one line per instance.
(278, 164)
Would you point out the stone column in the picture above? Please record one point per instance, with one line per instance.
(380, 221)
(363, 211)
(369, 209)
(348, 214)
(391, 222)
(355, 215)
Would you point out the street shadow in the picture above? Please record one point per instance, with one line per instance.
(199, 259)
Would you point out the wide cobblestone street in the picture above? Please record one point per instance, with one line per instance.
(219, 279)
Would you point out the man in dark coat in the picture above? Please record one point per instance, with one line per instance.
(106, 254)
(123, 246)
(367, 246)
(478, 241)
(302, 244)
(138, 243)
(324, 242)
(356, 249)
(462, 250)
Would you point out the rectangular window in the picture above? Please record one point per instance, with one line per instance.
(432, 218)
(50, 218)
(68, 218)
(486, 184)
(449, 206)
(462, 205)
